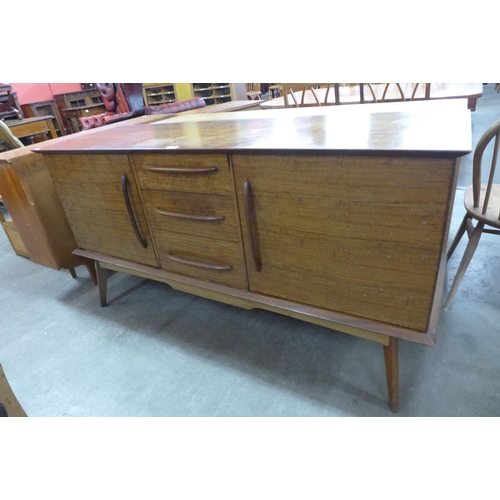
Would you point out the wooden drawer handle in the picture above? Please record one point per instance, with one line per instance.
(190, 216)
(247, 197)
(197, 263)
(126, 197)
(176, 170)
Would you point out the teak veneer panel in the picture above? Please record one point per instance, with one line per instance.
(89, 187)
(357, 235)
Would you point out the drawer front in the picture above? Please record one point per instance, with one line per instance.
(202, 258)
(211, 216)
(184, 172)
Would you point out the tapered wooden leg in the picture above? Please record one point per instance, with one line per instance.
(92, 271)
(102, 282)
(89, 264)
(469, 252)
(391, 356)
(458, 237)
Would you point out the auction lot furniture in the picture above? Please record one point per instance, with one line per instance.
(338, 216)
(329, 94)
(33, 126)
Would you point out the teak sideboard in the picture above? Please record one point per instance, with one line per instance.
(336, 216)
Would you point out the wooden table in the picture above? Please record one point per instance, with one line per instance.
(229, 106)
(32, 126)
(350, 94)
(337, 216)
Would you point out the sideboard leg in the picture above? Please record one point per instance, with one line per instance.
(102, 282)
(391, 356)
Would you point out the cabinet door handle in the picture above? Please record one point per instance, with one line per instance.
(198, 263)
(190, 216)
(126, 197)
(176, 170)
(247, 195)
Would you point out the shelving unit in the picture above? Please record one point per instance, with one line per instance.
(159, 93)
(213, 93)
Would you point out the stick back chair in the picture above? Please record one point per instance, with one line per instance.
(482, 204)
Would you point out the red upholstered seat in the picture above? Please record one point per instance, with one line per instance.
(124, 100)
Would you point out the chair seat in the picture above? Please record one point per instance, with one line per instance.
(493, 211)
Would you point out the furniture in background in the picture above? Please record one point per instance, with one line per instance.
(8, 399)
(38, 129)
(9, 105)
(75, 105)
(45, 108)
(124, 101)
(337, 216)
(218, 93)
(155, 94)
(254, 92)
(359, 93)
(37, 228)
(9, 141)
(482, 205)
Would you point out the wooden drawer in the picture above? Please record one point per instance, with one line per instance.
(184, 172)
(211, 216)
(202, 258)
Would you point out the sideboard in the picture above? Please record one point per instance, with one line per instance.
(337, 216)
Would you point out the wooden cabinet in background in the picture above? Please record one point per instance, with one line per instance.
(74, 105)
(45, 108)
(155, 94)
(217, 93)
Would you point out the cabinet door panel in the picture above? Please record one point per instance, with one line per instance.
(90, 189)
(357, 235)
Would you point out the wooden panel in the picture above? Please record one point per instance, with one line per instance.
(352, 234)
(201, 251)
(90, 190)
(14, 238)
(199, 173)
(211, 216)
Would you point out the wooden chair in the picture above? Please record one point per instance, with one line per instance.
(7, 139)
(482, 204)
(254, 92)
(8, 398)
(289, 89)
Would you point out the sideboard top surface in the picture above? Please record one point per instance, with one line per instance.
(433, 128)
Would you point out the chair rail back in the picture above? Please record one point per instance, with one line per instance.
(493, 132)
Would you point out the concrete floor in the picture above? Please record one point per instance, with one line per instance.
(155, 351)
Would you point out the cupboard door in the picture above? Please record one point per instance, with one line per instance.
(94, 190)
(356, 235)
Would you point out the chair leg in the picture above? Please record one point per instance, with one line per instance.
(458, 237)
(469, 252)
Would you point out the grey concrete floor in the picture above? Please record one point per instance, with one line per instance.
(155, 351)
